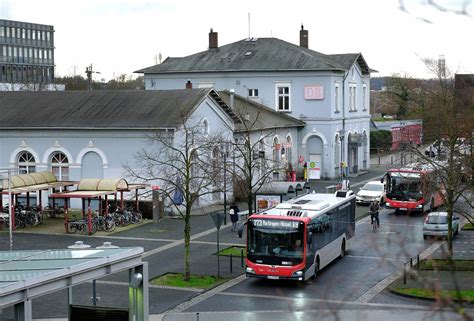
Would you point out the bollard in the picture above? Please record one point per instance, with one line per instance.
(411, 263)
(418, 262)
(230, 262)
(405, 273)
(197, 316)
(242, 258)
(391, 159)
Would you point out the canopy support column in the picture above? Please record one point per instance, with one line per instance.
(23, 311)
(136, 201)
(121, 200)
(28, 200)
(106, 204)
(89, 220)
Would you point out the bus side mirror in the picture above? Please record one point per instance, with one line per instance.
(309, 238)
(240, 230)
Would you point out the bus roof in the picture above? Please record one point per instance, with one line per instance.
(307, 206)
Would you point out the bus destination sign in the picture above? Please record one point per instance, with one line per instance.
(276, 224)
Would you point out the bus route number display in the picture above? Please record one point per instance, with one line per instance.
(274, 224)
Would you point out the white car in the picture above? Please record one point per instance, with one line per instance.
(436, 224)
(372, 191)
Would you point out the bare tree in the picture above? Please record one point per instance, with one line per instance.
(178, 159)
(254, 166)
(450, 119)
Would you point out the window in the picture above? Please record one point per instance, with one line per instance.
(283, 97)
(364, 97)
(337, 154)
(336, 98)
(2, 31)
(352, 97)
(60, 166)
(205, 125)
(26, 163)
(253, 92)
(205, 84)
(48, 36)
(276, 150)
(288, 149)
(23, 33)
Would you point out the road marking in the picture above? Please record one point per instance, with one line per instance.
(154, 286)
(206, 295)
(374, 258)
(180, 242)
(379, 287)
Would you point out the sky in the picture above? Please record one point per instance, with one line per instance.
(122, 36)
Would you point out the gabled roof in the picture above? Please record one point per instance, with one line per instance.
(265, 118)
(122, 109)
(256, 54)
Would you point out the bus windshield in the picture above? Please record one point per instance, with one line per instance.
(405, 187)
(275, 242)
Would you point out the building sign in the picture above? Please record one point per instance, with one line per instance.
(275, 224)
(313, 92)
(265, 202)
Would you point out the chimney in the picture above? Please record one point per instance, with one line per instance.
(189, 84)
(303, 37)
(231, 99)
(212, 39)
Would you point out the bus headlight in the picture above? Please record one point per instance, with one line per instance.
(298, 273)
(419, 206)
(249, 270)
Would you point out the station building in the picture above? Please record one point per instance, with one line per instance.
(329, 93)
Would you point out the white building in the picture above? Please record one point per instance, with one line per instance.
(329, 93)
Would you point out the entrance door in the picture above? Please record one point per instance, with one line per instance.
(314, 166)
(353, 158)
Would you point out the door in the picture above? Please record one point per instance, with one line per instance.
(314, 166)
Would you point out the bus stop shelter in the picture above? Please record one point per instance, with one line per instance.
(272, 194)
(89, 189)
(26, 275)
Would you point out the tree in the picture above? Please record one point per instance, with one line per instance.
(450, 117)
(179, 160)
(253, 167)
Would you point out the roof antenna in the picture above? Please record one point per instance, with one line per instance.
(249, 25)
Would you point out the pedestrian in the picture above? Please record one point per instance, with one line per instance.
(234, 216)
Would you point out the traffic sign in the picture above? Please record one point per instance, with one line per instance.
(218, 219)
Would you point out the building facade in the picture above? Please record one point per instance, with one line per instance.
(330, 93)
(94, 134)
(26, 55)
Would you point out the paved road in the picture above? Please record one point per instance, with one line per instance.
(355, 282)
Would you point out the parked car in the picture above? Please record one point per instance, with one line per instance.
(372, 191)
(436, 224)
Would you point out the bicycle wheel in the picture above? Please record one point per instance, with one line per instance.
(72, 228)
(374, 225)
(109, 225)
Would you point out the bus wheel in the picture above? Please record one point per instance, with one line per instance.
(316, 268)
(343, 248)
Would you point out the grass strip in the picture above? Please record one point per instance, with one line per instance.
(444, 265)
(468, 227)
(234, 250)
(464, 295)
(196, 281)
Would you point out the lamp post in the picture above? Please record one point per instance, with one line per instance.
(225, 150)
(341, 138)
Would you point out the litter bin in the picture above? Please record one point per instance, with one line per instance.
(355, 169)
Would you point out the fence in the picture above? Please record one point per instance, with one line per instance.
(385, 157)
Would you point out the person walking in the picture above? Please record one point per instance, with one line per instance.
(234, 216)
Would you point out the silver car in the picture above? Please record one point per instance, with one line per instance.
(436, 224)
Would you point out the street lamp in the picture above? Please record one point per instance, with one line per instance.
(341, 138)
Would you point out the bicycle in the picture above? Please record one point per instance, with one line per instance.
(373, 219)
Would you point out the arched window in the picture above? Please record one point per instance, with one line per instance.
(194, 165)
(60, 166)
(337, 153)
(276, 150)
(26, 163)
(205, 125)
(288, 148)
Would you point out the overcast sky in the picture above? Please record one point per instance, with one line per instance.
(121, 36)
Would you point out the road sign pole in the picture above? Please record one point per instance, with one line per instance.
(218, 259)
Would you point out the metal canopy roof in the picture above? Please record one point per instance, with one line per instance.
(33, 182)
(81, 194)
(25, 275)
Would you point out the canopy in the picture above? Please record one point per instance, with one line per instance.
(103, 184)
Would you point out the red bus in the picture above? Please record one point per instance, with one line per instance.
(413, 188)
(297, 238)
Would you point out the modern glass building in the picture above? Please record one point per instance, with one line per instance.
(26, 53)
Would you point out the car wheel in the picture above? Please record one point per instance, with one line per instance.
(316, 268)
